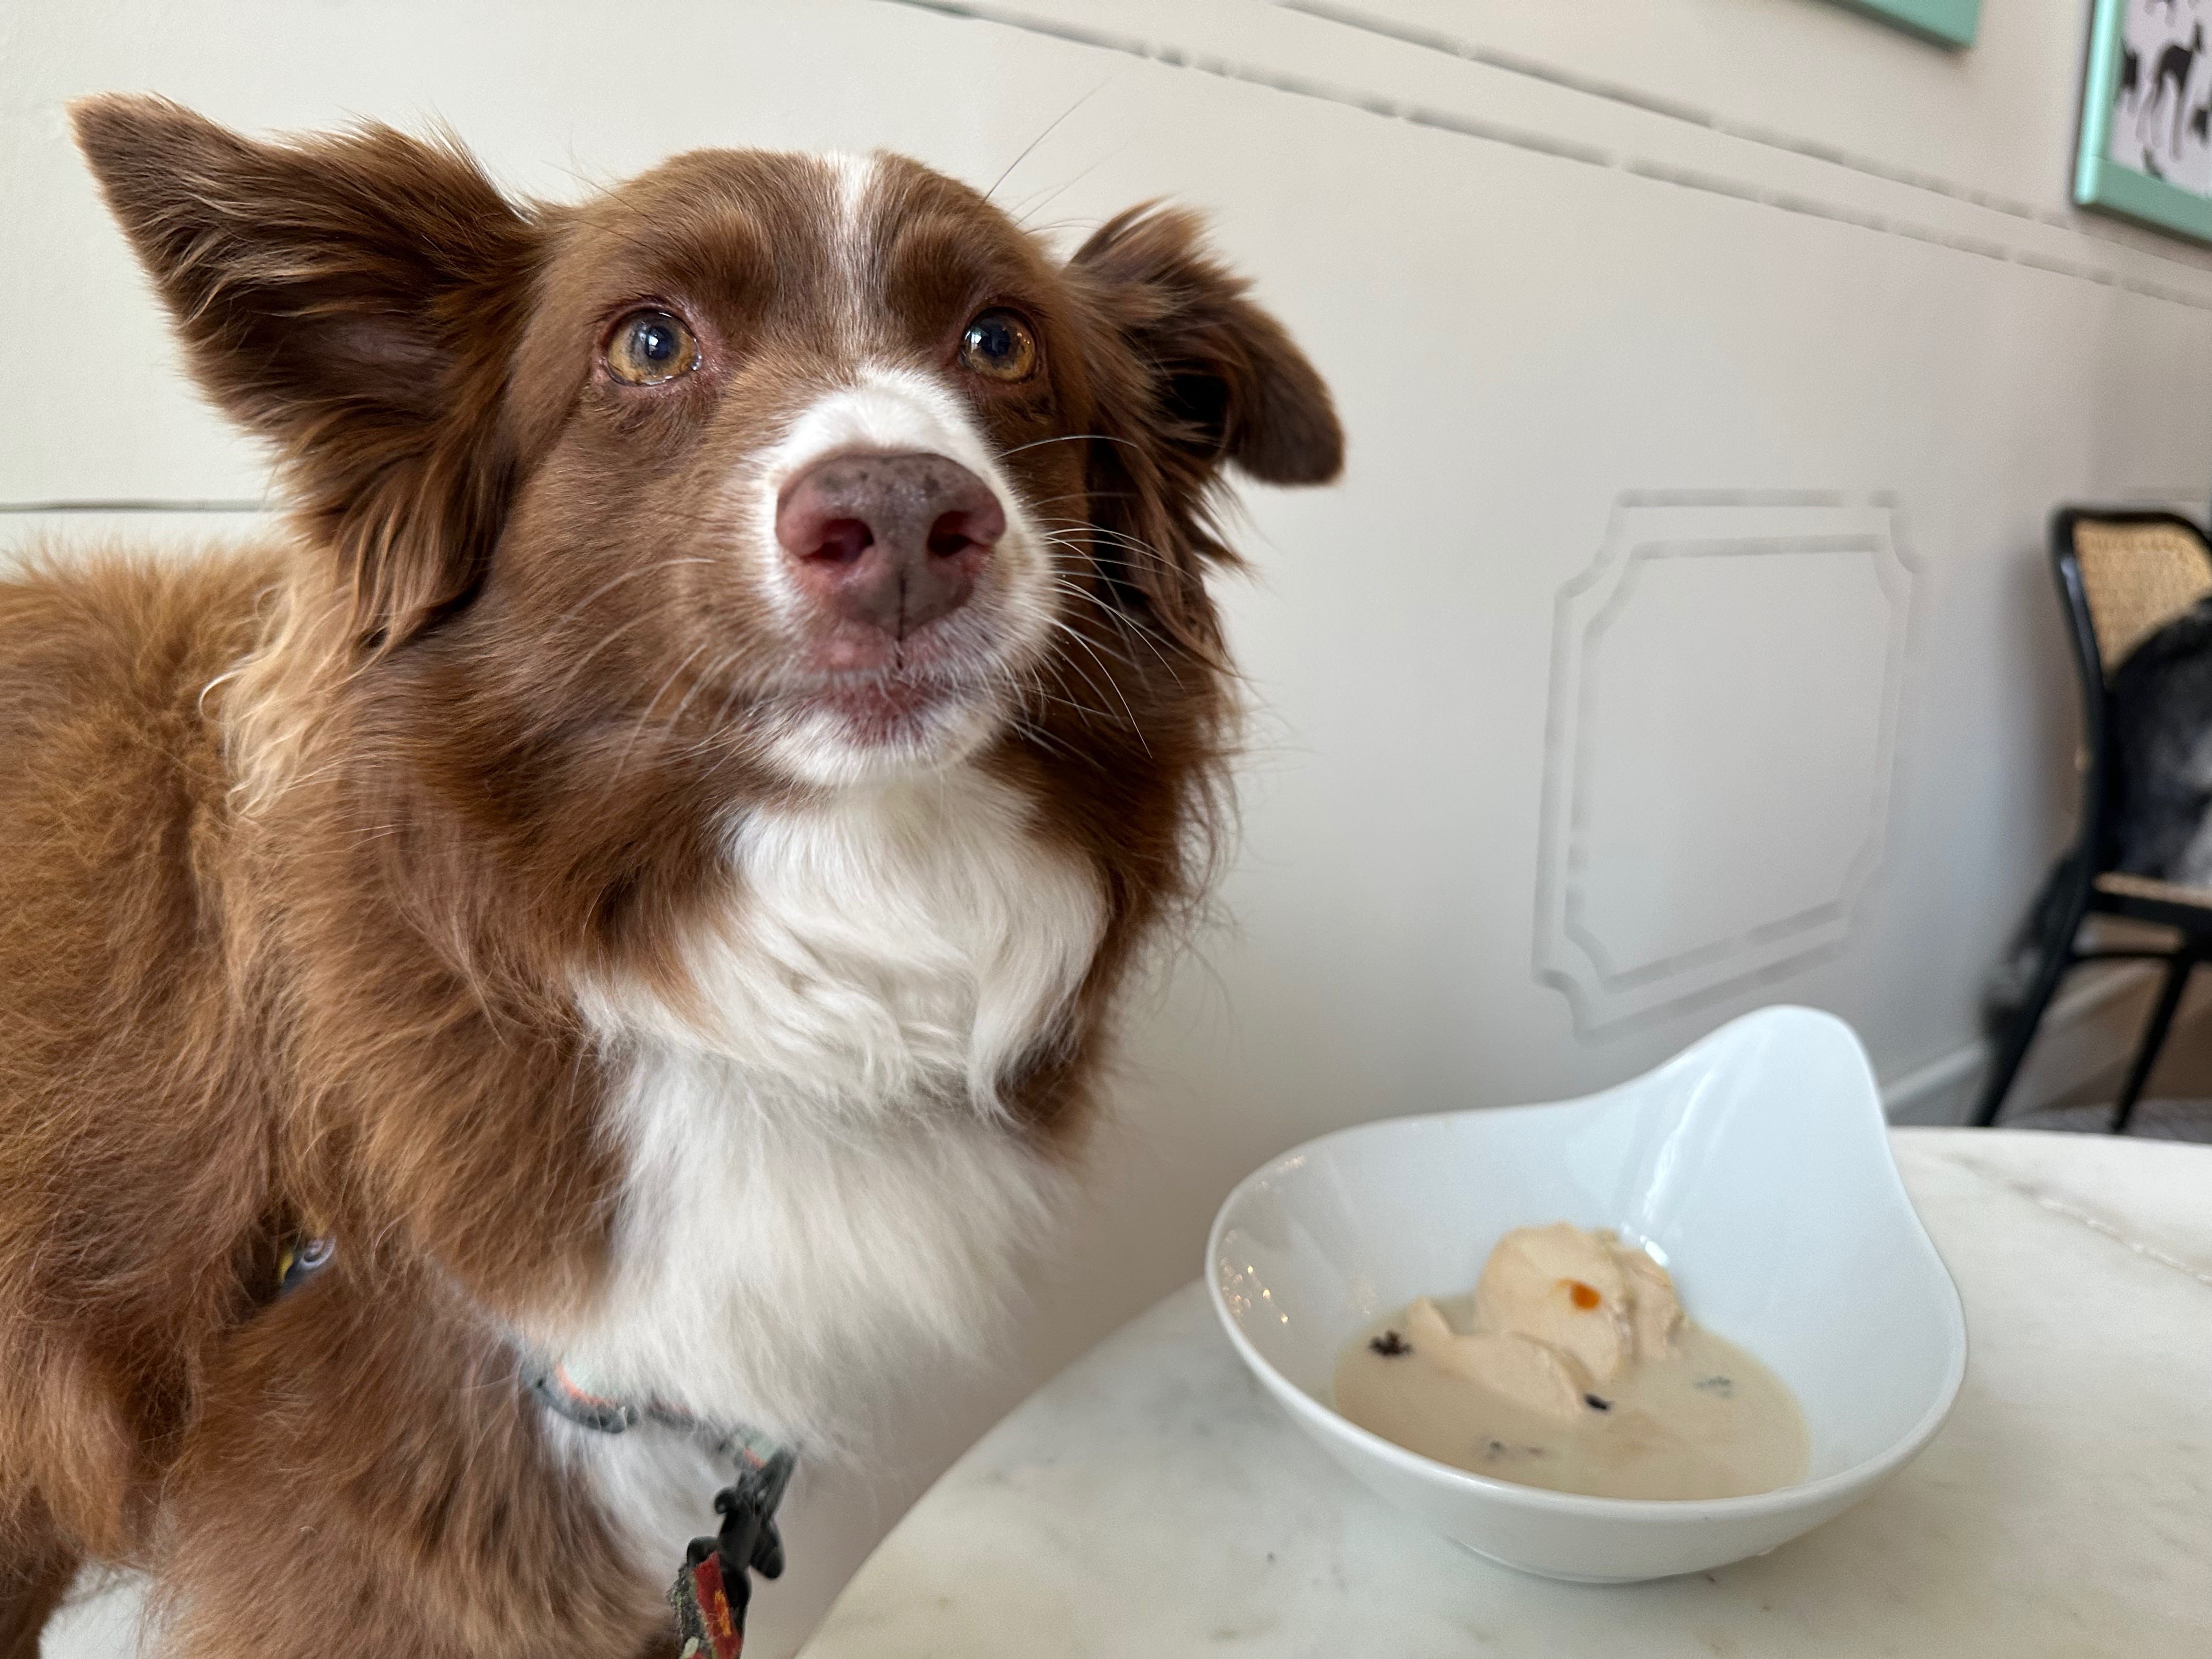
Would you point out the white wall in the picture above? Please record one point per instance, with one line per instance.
(1680, 630)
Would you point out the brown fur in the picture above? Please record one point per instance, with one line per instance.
(304, 847)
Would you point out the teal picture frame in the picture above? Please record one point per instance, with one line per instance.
(2100, 182)
(1947, 22)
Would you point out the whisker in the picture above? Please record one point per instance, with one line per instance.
(1036, 734)
(1128, 544)
(1072, 438)
(1084, 495)
(1119, 538)
(1048, 133)
(577, 608)
(584, 661)
(715, 672)
(1031, 205)
(722, 709)
(1135, 725)
(1123, 623)
(1119, 616)
(637, 727)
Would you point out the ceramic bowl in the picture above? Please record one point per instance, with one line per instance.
(1757, 1162)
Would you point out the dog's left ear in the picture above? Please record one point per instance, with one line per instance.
(1230, 384)
(1185, 376)
(356, 299)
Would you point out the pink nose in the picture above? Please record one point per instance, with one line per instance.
(893, 542)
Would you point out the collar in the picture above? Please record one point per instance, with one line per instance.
(604, 1412)
(300, 1259)
(711, 1592)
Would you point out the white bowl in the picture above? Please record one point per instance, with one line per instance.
(1757, 1161)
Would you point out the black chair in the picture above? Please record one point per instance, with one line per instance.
(2122, 576)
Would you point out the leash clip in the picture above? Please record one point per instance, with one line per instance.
(712, 1592)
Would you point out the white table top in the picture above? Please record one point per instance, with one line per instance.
(1151, 1501)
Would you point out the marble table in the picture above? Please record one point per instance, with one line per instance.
(1152, 1501)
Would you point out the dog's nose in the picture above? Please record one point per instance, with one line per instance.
(891, 541)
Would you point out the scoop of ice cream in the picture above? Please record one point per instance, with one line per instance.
(1534, 1374)
(1561, 1286)
(1582, 1293)
(1655, 1311)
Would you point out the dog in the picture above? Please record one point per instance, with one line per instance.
(635, 878)
(2155, 812)
(2157, 817)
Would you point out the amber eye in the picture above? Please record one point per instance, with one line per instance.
(999, 346)
(649, 347)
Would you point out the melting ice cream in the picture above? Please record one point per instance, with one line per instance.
(1572, 1366)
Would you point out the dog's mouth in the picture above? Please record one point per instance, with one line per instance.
(873, 691)
(889, 704)
(856, 697)
(905, 708)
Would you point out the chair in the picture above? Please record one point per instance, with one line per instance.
(2122, 576)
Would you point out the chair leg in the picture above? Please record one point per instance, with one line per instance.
(2062, 904)
(2153, 1038)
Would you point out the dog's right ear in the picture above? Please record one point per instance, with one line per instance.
(354, 297)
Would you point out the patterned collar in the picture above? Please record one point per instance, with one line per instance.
(714, 1585)
(711, 1590)
(604, 1412)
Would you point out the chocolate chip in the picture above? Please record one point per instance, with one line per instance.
(1390, 1345)
(1597, 1404)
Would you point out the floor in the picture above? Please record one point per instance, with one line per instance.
(2154, 1120)
(2176, 1106)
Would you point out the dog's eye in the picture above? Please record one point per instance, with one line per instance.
(999, 346)
(649, 347)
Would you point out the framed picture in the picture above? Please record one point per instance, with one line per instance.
(1952, 22)
(2146, 114)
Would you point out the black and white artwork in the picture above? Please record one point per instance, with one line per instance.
(2161, 120)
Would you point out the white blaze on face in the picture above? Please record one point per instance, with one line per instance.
(896, 411)
(891, 407)
(1000, 632)
(852, 181)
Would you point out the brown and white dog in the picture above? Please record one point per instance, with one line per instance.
(643, 863)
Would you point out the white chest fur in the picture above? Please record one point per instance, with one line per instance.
(820, 1189)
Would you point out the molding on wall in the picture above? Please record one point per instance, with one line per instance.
(1693, 167)
(165, 529)
(1619, 957)
(137, 505)
(1677, 109)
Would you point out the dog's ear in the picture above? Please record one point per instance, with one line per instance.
(354, 298)
(1231, 384)
(1190, 375)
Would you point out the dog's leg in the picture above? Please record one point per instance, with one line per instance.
(36, 1570)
